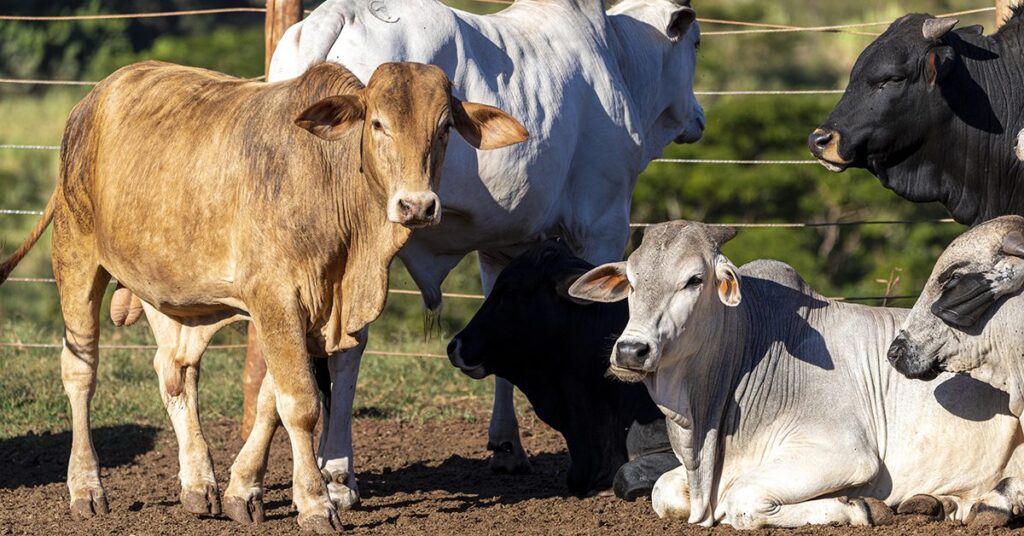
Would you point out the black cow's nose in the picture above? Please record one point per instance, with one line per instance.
(819, 140)
(631, 354)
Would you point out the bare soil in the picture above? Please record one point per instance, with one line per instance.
(423, 478)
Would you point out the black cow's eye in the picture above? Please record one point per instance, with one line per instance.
(694, 281)
(891, 80)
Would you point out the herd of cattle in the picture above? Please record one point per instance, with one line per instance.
(728, 394)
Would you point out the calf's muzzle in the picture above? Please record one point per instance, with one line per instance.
(418, 209)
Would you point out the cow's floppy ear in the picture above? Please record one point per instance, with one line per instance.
(1013, 244)
(679, 22)
(935, 29)
(486, 127)
(728, 279)
(938, 63)
(606, 283)
(330, 118)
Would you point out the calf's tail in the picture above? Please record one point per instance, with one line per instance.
(11, 262)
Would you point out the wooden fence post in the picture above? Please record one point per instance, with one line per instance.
(281, 14)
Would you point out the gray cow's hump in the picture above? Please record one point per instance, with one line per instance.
(779, 273)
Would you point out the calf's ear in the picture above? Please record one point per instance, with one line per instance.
(486, 127)
(606, 283)
(330, 118)
(728, 282)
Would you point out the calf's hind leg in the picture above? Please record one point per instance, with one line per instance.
(81, 283)
(184, 345)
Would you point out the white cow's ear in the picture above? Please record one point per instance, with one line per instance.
(728, 281)
(606, 283)
(486, 127)
(679, 22)
(330, 118)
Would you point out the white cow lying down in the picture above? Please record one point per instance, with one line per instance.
(782, 406)
(601, 94)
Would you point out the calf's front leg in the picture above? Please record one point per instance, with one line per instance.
(282, 333)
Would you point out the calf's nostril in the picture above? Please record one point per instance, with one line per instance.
(431, 209)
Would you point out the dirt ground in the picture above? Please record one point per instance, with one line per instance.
(427, 478)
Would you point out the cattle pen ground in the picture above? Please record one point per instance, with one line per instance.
(420, 425)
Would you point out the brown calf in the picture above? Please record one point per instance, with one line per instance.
(215, 199)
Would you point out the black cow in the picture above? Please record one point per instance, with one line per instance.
(556, 351)
(934, 114)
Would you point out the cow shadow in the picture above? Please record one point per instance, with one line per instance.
(468, 481)
(34, 460)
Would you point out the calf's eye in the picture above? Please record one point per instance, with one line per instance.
(376, 125)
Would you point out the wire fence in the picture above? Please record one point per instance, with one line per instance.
(754, 28)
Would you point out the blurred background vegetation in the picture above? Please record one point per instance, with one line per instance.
(844, 261)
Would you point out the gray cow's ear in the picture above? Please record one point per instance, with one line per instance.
(1013, 244)
(679, 22)
(606, 283)
(936, 28)
(728, 282)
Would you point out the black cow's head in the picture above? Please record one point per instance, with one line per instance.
(893, 100)
(555, 349)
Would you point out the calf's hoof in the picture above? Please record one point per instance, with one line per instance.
(636, 479)
(344, 494)
(509, 458)
(922, 505)
(205, 501)
(245, 511)
(321, 521)
(983, 515)
(95, 504)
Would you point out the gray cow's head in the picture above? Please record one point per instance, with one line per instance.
(678, 283)
(891, 103)
(660, 39)
(965, 320)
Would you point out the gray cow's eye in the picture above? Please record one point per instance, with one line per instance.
(694, 281)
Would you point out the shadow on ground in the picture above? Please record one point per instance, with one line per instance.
(33, 460)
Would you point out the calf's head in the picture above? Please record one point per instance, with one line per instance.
(893, 101)
(677, 282)
(405, 113)
(968, 318)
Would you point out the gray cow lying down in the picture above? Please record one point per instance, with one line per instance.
(780, 403)
(215, 199)
(970, 319)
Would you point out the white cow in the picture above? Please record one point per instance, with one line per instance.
(781, 404)
(601, 94)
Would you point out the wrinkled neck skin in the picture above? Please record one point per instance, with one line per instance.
(970, 165)
(999, 349)
(695, 388)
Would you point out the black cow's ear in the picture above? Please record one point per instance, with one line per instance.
(939, 63)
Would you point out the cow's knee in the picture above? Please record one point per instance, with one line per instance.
(670, 497)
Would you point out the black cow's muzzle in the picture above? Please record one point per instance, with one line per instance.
(477, 372)
(824, 145)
